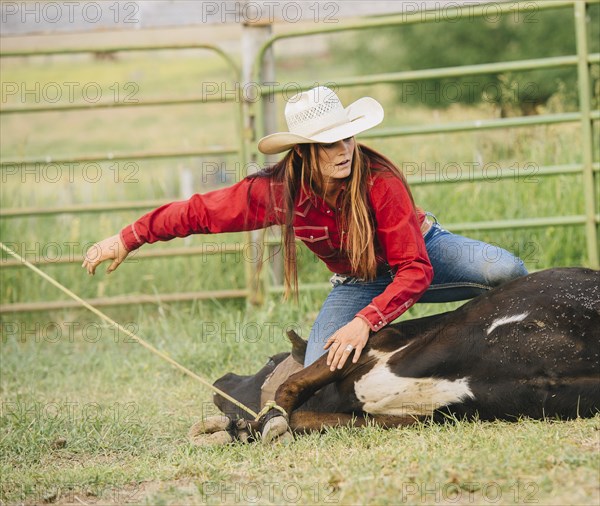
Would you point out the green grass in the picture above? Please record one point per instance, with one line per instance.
(89, 417)
(124, 414)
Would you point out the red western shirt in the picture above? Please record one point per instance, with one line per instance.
(256, 202)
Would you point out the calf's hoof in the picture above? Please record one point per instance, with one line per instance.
(219, 438)
(220, 430)
(214, 430)
(242, 431)
(210, 424)
(276, 430)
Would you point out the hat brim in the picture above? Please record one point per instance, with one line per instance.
(363, 114)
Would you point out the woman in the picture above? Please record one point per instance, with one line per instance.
(352, 207)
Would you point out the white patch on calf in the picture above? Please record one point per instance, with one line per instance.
(504, 320)
(383, 356)
(384, 393)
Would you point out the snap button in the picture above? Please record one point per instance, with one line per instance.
(312, 237)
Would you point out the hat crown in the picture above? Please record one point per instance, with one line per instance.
(318, 116)
(314, 111)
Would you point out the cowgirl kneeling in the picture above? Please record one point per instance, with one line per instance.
(352, 207)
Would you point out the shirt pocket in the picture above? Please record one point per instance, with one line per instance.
(316, 239)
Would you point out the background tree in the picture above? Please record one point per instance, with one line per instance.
(453, 42)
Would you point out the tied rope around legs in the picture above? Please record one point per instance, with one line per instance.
(139, 340)
(268, 406)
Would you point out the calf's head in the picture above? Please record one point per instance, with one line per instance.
(247, 389)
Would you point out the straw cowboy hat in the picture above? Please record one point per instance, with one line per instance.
(318, 115)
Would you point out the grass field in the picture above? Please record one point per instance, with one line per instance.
(91, 418)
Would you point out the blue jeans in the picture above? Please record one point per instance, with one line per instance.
(462, 269)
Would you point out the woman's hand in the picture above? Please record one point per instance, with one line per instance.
(111, 248)
(355, 334)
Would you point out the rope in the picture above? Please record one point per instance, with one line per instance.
(139, 340)
(268, 406)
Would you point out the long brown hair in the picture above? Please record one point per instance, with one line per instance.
(299, 169)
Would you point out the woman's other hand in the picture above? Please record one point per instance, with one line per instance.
(111, 248)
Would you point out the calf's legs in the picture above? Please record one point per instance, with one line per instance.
(299, 387)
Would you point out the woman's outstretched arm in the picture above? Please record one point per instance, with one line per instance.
(247, 205)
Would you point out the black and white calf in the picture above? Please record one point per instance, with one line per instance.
(530, 348)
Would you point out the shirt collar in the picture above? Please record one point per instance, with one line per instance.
(308, 195)
(304, 195)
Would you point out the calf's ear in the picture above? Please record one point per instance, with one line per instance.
(298, 346)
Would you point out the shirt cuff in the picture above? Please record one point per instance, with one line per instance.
(130, 238)
(373, 317)
(377, 320)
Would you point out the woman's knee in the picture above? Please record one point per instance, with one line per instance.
(501, 272)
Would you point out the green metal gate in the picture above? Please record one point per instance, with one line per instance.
(255, 120)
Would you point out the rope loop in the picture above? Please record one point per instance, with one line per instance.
(269, 405)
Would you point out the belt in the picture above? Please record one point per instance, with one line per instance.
(345, 278)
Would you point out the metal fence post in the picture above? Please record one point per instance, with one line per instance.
(585, 106)
(254, 34)
(274, 262)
